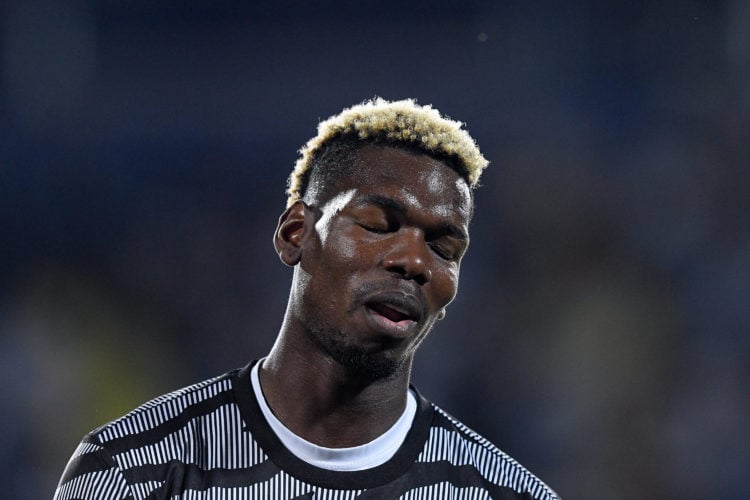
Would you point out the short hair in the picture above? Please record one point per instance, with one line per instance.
(399, 123)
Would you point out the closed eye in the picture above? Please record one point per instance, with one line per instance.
(374, 219)
(444, 251)
(372, 228)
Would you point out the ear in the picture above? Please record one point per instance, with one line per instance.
(287, 240)
(441, 314)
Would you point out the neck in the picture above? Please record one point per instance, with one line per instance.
(322, 401)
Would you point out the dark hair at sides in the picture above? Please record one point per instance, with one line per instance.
(337, 158)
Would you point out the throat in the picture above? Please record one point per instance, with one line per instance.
(316, 407)
(347, 457)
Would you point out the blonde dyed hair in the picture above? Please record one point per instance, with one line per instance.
(392, 123)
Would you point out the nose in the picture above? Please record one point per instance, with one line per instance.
(408, 257)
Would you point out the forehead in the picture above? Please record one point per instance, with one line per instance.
(416, 179)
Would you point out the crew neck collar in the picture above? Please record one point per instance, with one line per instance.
(365, 456)
(255, 423)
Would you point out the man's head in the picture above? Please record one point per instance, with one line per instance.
(377, 237)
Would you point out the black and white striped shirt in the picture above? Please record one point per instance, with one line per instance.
(211, 441)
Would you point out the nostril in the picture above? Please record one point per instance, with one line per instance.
(416, 271)
(421, 279)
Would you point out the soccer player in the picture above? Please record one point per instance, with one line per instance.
(375, 227)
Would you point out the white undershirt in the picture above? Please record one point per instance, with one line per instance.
(365, 456)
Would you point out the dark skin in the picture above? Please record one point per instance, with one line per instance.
(376, 260)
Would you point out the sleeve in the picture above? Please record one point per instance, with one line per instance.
(92, 474)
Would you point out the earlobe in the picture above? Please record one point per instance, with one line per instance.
(287, 240)
(441, 314)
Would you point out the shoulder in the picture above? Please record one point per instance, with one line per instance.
(91, 473)
(107, 462)
(188, 402)
(452, 441)
(182, 404)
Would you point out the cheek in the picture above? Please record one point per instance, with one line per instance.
(344, 249)
(446, 284)
(339, 265)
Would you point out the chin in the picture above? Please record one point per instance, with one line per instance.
(363, 363)
(367, 365)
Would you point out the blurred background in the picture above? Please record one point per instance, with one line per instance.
(600, 335)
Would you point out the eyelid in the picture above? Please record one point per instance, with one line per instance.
(371, 217)
(451, 253)
(441, 253)
(372, 228)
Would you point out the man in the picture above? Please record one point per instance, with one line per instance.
(375, 228)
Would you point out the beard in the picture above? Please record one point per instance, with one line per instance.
(363, 364)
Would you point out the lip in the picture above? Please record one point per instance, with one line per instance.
(404, 304)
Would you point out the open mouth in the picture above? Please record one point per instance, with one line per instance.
(394, 314)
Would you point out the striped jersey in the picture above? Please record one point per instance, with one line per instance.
(211, 441)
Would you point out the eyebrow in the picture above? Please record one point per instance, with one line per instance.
(399, 208)
(384, 202)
